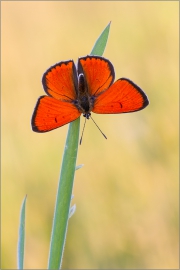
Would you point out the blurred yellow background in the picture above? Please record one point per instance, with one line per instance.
(127, 192)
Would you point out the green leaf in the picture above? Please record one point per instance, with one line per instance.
(63, 199)
(64, 192)
(21, 237)
(101, 42)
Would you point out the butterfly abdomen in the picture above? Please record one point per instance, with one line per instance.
(84, 103)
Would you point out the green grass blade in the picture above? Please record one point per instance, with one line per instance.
(64, 193)
(21, 237)
(101, 42)
(63, 199)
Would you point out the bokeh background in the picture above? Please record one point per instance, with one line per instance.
(127, 192)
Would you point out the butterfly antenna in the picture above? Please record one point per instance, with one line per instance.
(82, 132)
(99, 128)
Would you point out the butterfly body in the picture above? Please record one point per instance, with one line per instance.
(72, 91)
(84, 102)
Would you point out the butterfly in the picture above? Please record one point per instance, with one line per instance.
(88, 87)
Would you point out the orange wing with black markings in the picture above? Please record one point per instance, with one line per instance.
(123, 96)
(98, 72)
(60, 81)
(51, 113)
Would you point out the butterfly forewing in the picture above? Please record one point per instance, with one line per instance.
(60, 81)
(98, 72)
(122, 97)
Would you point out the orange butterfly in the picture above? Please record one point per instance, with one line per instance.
(89, 87)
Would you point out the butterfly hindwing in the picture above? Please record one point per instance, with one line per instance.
(51, 113)
(122, 97)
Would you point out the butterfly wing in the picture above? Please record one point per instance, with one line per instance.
(122, 97)
(98, 71)
(51, 113)
(57, 109)
(60, 81)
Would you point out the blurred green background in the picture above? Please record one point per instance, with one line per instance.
(127, 192)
